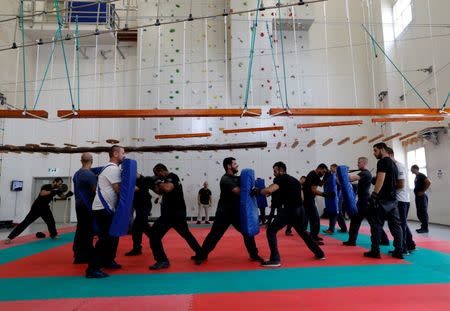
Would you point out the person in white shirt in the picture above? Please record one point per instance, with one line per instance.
(403, 203)
(103, 208)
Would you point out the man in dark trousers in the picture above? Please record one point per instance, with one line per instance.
(204, 202)
(85, 183)
(173, 215)
(383, 205)
(312, 182)
(142, 205)
(339, 218)
(290, 212)
(41, 208)
(364, 179)
(227, 214)
(421, 185)
(302, 180)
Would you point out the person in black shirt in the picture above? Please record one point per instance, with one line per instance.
(312, 182)
(142, 204)
(288, 231)
(364, 178)
(204, 201)
(173, 215)
(41, 208)
(421, 185)
(228, 213)
(383, 205)
(339, 218)
(290, 211)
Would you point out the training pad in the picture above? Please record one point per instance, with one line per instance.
(348, 196)
(249, 219)
(331, 204)
(121, 219)
(261, 200)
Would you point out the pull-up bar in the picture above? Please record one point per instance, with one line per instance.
(318, 112)
(407, 119)
(157, 113)
(327, 124)
(22, 114)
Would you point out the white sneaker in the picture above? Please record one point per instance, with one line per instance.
(56, 237)
(8, 241)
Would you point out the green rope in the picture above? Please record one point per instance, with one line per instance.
(45, 75)
(395, 66)
(77, 46)
(252, 52)
(23, 58)
(274, 64)
(445, 102)
(282, 54)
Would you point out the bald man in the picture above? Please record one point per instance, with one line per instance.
(85, 183)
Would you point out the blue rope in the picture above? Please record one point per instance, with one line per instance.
(274, 64)
(252, 52)
(445, 102)
(395, 66)
(282, 54)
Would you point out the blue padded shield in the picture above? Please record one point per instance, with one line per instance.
(249, 220)
(331, 204)
(261, 200)
(348, 196)
(121, 219)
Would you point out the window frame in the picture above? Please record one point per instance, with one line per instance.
(394, 20)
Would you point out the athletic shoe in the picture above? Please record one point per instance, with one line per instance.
(7, 241)
(207, 222)
(321, 256)
(372, 254)
(270, 263)
(397, 254)
(256, 258)
(160, 265)
(404, 253)
(198, 222)
(411, 247)
(328, 231)
(113, 265)
(289, 233)
(422, 230)
(349, 243)
(134, 252)
(96, 274)
(55, 237)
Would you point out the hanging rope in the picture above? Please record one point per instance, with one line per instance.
(45, 76)
(252, 52)
(275, 65)
(282, 54)
(445, 102)
(374, 41)
(77, 47)
(23, 59)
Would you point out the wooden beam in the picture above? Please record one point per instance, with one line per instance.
(157, 113)
(254, 129)
(187, 135)
(311, 143)
(408, 119)
(343, 141)
(328, 124)
(327, 142)
(375, 138)
(355, 112)
(357, 141)
(408, 135)
(146, 149)
(389, 138)
(21, 114)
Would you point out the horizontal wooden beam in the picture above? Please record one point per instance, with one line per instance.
(254, 129)
(318, 112)
(343, 141)
(328, 124)
(408, 119)
(327, 142)
(375, 138)
(358, 140)
(187, 135)
(145, 149)
(408, 135)
(389, 138)
(22, 114)
(157, 113)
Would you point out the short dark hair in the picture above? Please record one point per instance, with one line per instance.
(58, 179)
(415, 167)
(303, 177)
(322, 166)
(334, 165)
(281, 165)
(161, 167)
(381, 146)
(113, 149)
(390, 151)
(228, 161)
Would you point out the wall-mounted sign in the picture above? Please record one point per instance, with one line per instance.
(52, 171)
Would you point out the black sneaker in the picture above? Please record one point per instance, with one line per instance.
(271, 263)
(411, 247)
(256, 258)
(397, 254)
(421, 230)
(113, 265)
(349, 243)
(404, 253)
(372, 254)
(96, 274)
(134, 252)
(320, 255)
(160, 265)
